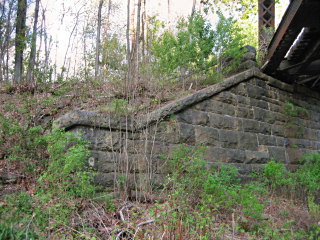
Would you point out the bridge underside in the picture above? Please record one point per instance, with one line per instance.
(294, 52)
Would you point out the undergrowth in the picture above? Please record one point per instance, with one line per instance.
(211, 203)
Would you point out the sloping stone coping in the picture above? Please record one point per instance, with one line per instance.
(92, 119)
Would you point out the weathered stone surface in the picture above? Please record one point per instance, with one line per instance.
(213, 154)
(193, 117)
(100, 139)
(241, 120)
(166, 132)
(187, 134)
(254, 91)
(243, 101)
(226, 97)
(146, 146)
(277, 130)
(228, 139)
(265, 128)
(235, 156)
(105, 179)
(224, 122)
(104, 161)
(251, 126)
(278, 153)
(206, 136)
(240, 89)
(216, 107)
(256, 157)
(247, 141)
(259, 103)
(243, 112)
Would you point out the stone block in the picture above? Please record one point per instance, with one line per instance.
(278, 153)
(251, 126)
(278, 130)
(206, 136)
(186, 133)
(279, 118)
(224, 122)
(235, 156)
(213, 154)
(276, 108)
(240, 89)
(247, 141)
(265, 128)
(192, 116)
(100, 139)
(226, 97)
(259, 103)
(267, 140)
(263, 115)
(243, 101)
(216, 107)
(315, 116)
(255, 91)
(243, 112)
(146, 147)
(166, 132)
(300, 143)
(282, 142)
(255, 157)
(259, 82)
(104, 179)
(228, 139)
(104, 161)
(294, 155)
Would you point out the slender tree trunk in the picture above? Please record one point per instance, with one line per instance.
(106, 31)
(63, 69)
(143, 26)
(193, 8)
(30, 72)
(96, 72)
(132, 29)
(168, 22)
(20, 42)
(85, 52)
(137, 55)
(128, 31)
(128, 50)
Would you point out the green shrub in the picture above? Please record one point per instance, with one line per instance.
(198, 49)
(66, 172)
(276, 175)
(309, 173)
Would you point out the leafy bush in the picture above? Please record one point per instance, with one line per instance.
(64, 182)
(309, 173)
(198, 49)
(66, 172)
(276, 175)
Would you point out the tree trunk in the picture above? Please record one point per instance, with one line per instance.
(132, 29)
(128, 51)
(96, 72)
(20, 42)
(128, 31)
(143, 26)
(137, 55)
(30, 73)
(193, 8)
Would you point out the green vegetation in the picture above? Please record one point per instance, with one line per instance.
(197, 49)
(200, 197)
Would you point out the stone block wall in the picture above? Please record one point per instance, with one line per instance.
(245, 120)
